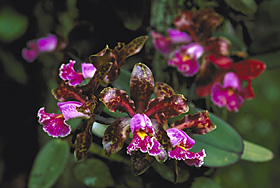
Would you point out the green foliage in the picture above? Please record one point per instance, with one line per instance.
(12, 24)
(203, 182)
(167, 172)
(13, 67)
(256, 153)
(93, 173)
(49, 164)
(247, 7)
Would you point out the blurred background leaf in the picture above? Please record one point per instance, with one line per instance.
(256, 153)
(204, 182)
(12, 24)
(94, 173)
(13, 67)
(49, 164)
(247, 7)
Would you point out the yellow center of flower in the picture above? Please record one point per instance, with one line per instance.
(182, 147)
(142, 134)
(60, 116)
(185, 58)
(230, 92)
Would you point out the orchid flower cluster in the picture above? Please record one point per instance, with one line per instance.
(84, 93)
(192, 49)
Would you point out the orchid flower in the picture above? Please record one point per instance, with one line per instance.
(38, 46)
(182, 143)
(55, 124)
(183, 57)
(67, 72)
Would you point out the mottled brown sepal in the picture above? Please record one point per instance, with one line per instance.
(115, 99)
(199, 123)
(83, 142)
(140, 162)
(115, 135)
(141, 86)
(169, 106)
(162, 89)
(65, 92)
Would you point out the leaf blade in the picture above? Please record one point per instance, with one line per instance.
(49, 164)
(256, 153)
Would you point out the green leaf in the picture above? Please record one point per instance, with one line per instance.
(203, 182)
(13, 67)
(49, 164)
(247, 7)
(94, 173)
(131, 13)
(12, 24)
(223, 146)
(167, 172)
(256, 153)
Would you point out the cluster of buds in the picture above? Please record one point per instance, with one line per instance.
(193, 50)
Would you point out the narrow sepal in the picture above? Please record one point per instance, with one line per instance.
(115, 135)
(89, 106)
(199, 123)
(140, 162)
(115, 99)
(123, 51)
(84, 141)
(169, 106)
(141, 86)
(65, 92)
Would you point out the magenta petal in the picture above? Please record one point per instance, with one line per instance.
(179, 137)
(67, 72)
(47, 44)
(141, 122)
(189, 68)
(29, 54)
(187, 156)
(69, 111)
(137, 143)
(156, 148)
(162, 44)
(194, 50)
(234, 101)
(197, 159)
(179, 37)
(88, 70)
(175, 60)
(218, 95)
(54, 124)
(231, 80)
